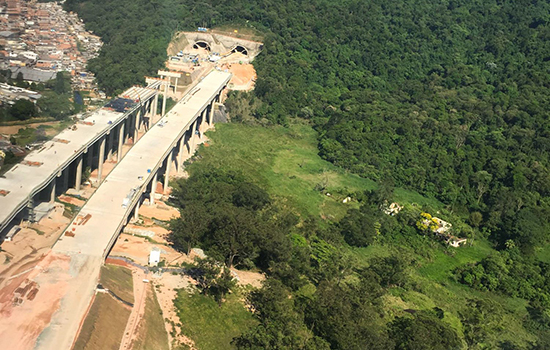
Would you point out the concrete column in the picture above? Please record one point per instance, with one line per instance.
(78, 177)
(90, 154)
(204, 123)
(136, 211)
(65, 179)
(168, 166)
(180, 153)
(156, 103)
(153, 189)
(211, 114)
(164, 97)
(53, 188)
(120, 141)
(136, 129)
(192, 139)
(101, 159)
(176, 86)
(110, 144)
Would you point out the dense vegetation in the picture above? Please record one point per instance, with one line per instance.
(321, 292)
(449, 99)
(56, 101)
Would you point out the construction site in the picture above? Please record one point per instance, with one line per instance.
(193, 53)
(45, 272)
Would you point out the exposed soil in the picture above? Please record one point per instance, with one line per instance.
(14, 129)
(23, 316)
(166, 288)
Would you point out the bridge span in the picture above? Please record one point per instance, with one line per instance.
(59, 164)
(74, 264)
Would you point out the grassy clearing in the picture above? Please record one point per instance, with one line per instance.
(104, 325)
(152, 333)
(212, 327)
(443, 264)
(286, 162)
(118, 280)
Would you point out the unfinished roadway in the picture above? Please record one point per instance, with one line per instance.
(71, 271)
(60, 163)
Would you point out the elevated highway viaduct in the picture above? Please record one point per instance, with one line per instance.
(162, 149)
(59, 164)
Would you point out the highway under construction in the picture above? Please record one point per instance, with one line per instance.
(71, 270)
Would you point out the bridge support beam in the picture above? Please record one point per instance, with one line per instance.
(90, 157)
(192, 139)
(168, 168)
(78, 176)
(137, 125)
(136, 211)
(211, 113)
(153, 189)
(164, 97)
(52, 190)
(101, 159)
(120, 141)
(180, 153)
(110, 145)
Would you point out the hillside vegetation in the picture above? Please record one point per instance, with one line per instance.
(447, 99)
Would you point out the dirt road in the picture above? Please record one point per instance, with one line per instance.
(140, 294)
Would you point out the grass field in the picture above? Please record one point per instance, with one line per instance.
(152, 333)
(210, 326)
(286, 162)
(119, 281)
(104, 325)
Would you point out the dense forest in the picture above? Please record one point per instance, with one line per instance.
(447, 98)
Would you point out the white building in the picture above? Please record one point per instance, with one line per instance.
(154, 257)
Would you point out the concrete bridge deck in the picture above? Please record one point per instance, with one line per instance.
(41, 167)
(87, 249)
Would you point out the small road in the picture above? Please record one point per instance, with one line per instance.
(140, 295)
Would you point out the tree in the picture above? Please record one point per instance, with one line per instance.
(392, 270)
(358, 228)
(60, 84)
(480, 319)
(425, 330)
(23, 109)
(189, 228)
(214, 280)
(232, 235)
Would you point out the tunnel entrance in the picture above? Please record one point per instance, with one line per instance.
(201, 45)
(240, 49)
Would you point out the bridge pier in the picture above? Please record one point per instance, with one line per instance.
(136, 209)
(153, 189)
(166, 85)
(167, 170)
(89, 157)
(101, 159)
(52, 190)
(78, 177)
(110, 144)
(120, 141)
(137, 125)
(192, 138)
(211, 114)
(180, 153)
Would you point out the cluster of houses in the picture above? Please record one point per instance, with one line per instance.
(40, 39)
